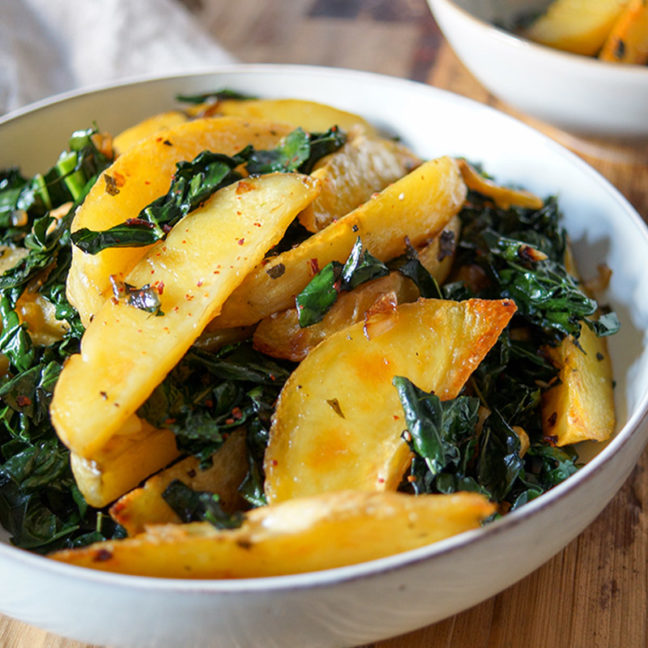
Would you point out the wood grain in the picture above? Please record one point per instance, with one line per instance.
(593, 594)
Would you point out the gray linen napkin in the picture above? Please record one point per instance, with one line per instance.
(50, 46)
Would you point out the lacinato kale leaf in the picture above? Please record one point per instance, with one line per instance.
(197, 506)
(210, 394)
(195, 181)
(314, 301)
(192, 183)
(215, 95)
(40, 504)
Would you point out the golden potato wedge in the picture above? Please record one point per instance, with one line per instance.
(310, 115)
(503, 197)
(578, 26)
(10, 256)
(145, 506)
(581, 405)
(353, 174)
(627, 42)
(126, 351)
(340, 428)
(124, 462)
(281, 336)
(152, 126)
(310, 534)
(134, 180)
(39, 315)
(417, 207)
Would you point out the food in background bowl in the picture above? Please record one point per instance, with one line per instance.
(368, 600)
(613, 30)
(579, 94)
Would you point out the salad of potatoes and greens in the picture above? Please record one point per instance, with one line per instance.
(253, 323)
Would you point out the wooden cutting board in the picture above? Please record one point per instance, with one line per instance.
(594, 594)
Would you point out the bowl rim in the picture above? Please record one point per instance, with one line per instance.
(507, 38)
(368, 569)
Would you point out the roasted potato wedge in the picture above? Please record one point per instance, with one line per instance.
(581, 405)
(126, 460)
(416, 207)
(350, 176)
(578, 26)
(310, 115)
(503, 197)
(154, 125)
(340, 428)
(302, 535)
(126, 351)
(138, 177)
(145, 506)
(628, 40)
(281, 336)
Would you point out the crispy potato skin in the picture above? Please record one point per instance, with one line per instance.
(125, 351)
(141, 175)
(340, 428)
(303, 535)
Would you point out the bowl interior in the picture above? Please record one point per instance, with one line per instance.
(602, 225)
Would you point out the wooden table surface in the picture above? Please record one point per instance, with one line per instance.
(594, 593)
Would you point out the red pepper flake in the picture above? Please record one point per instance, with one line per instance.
(229, 421)
(159, 287)
(411, 478)
(237, 413)
(244, 186)
(216, 271)
(114, 300)
(274, 462)
(102, 555)
(189, 296)
(314, 265)
(209, 403)
(184, 241)
(381, 480)
(103, 395)
(147, 182)
(241, 241)
(176, 308)
(396, 417)
(23, 401)
(257, 224)
(200, 283)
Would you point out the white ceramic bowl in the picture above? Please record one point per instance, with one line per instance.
(367, 602)
(578, 94)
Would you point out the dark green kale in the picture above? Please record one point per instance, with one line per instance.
(195, 181)
(215, 95)
(209, 394)
(521, 252)
(454, 451)
(40, 504)
(314, 301)
(198, 506)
